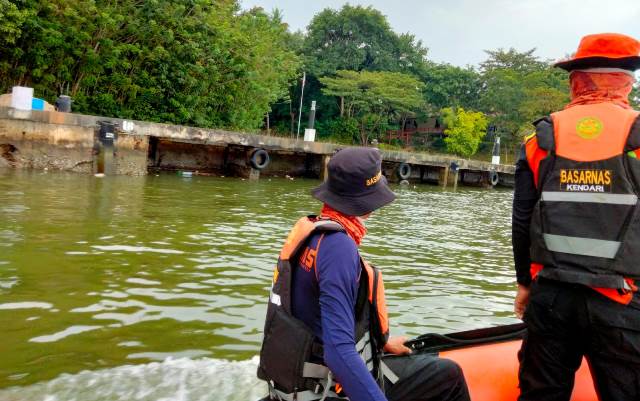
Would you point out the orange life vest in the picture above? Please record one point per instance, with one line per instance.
(290, 354)
(586, 223)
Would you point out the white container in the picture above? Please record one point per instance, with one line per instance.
(309, 135)
(21, 98)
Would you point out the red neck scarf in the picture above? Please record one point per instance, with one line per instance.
(591, 88)
(352, 225)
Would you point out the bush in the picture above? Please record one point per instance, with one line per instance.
(339, 130)
(465, 130)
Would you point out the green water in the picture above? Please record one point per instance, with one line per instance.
(154, 287)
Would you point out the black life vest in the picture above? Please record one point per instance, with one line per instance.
(291, 357)
(585, 227)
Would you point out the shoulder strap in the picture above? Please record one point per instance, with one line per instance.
(327, 225)
(545, 134)
(539, 146)
(301, 232)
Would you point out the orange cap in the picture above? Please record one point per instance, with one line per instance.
(611, 50)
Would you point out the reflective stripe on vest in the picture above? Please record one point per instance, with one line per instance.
(582, 246)
(365, 349)
(589, 197)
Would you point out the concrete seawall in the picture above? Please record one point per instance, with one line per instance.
(71, 142)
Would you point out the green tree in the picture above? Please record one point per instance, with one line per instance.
(339, 130)
(11, 21)
(350, 38)
(450, 86)
(511, 59)
(192, 62)
(465, 130)
(357, 38)
(518, 88)
(373, 98)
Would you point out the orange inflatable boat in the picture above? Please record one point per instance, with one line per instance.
(489, 359)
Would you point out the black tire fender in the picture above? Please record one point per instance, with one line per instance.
(404, 171)
(494, 178)
(259, 159)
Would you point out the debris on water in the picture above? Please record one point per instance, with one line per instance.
(404, 182)
(288, 177)
(98, 175)
(187, 174)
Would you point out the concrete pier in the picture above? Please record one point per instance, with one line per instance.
(64, 141)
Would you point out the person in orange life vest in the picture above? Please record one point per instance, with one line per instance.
(319, 282)
(576, 231)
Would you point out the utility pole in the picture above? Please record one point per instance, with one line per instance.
(304, 80)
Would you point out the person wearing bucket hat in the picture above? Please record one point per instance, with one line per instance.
(327, 326)
(576, 231)
(355, 184)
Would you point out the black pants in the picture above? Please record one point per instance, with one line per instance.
(425, 378)
(566, 322)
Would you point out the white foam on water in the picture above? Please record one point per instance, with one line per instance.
(180, 379)
(69, 331)
(129, 248)
(142, 281)
(25, 305)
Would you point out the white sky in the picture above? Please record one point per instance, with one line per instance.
(457, 31)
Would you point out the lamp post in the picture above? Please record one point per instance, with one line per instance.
(304, 79)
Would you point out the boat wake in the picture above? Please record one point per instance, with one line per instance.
(180, 379)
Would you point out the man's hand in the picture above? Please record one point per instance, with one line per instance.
(396, 346)
(521, 301)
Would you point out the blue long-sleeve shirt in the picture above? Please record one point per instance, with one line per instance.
(324, 292)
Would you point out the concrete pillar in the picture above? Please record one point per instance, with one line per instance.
(325, 167)
(455, 180)
(104, 159)
(444, 177)
(236, 163)
(105, 144)
(254, 174)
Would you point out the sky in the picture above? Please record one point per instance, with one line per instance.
(458, 31)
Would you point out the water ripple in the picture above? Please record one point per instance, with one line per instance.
(141, 269)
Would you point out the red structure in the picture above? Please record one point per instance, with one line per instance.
(413, 132)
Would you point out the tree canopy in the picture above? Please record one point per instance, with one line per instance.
(517, 88)
(465, 130)
(447, 85)
(358, 38)
(374, 97)
(183, 61)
